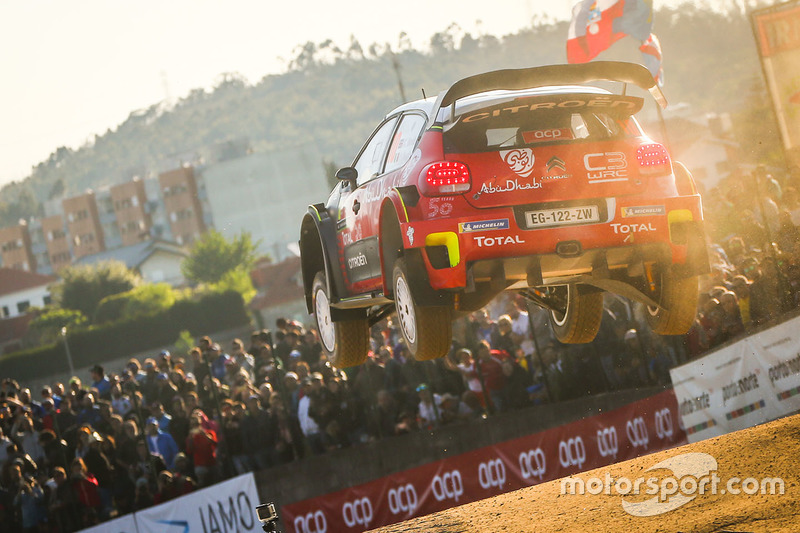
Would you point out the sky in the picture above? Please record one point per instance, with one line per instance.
(70, 69)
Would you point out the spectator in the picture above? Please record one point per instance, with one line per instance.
(101, 382)
(201, 446)
(160, 443)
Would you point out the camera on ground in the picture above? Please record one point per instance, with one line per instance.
(268, 517)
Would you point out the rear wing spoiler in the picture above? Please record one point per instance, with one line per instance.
(527, 78)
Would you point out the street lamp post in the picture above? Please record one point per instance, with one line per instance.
(66, 348)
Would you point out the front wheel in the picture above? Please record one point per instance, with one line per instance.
(582, 313)
(677, 306)
(428, 331)
(345, 342)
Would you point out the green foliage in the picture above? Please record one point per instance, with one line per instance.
(82, 287)
(235, 280)
(211, 313)
(184, 343)
(145, 299)
(46, 327)
(213, 256)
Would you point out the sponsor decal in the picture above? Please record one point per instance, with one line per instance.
(403, 500)
(636, 430)
(572, 452)
(556, 163)
(341, 224)
(509, 186)
(643, 211)
(487, 242)
(440, 207)
(606, 166)
(632, 228)
(410, 235)
(663, 420)
(552, 134)
(357, 512)
(744, 385)
(628, 104)
(448, 486)
(311, 523)
(607, 442)
(492, 474)
(359, 260)
(533, 464)
(519, 160)
(483, 225)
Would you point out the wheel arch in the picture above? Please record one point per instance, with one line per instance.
(392, 246)
(317, 243)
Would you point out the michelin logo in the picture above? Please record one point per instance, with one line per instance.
(483, 225)
(642, 211)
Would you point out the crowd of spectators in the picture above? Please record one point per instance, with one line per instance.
(83, 452)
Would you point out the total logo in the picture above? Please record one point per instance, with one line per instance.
(448, 486)
(492, 474)
(624, 229)
(403, 499)
(357, 512)
(663, 420)
(607, 442)
(572, 452)
(605, 167)
(311, 523)
(533, 464)
(636, 430)
(488, 242)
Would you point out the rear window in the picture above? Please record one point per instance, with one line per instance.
(562, 119)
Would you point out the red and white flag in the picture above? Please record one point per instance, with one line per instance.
(592, 28)
(651, 57)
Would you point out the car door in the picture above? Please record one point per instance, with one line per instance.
(356, 229)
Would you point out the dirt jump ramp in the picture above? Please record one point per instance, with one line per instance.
(747, 481)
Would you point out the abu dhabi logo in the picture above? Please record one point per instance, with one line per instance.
(520, 161)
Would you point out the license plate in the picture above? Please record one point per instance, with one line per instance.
(562, 217)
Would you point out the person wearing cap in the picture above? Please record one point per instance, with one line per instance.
(217, 358)
(160, 443)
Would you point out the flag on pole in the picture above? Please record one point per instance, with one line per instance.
(597, 24)
(651, 57)
(592, 28)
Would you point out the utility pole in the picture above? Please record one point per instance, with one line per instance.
(396, 67)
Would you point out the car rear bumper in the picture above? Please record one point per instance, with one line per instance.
(497, 243)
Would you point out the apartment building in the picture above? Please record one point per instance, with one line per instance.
(182, 204)
(131, 212)
(15, 247)
(83, 224)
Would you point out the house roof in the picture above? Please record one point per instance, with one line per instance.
(276, 283)
(13, 280)
(133, 256)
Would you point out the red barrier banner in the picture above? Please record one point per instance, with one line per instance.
(643, 427)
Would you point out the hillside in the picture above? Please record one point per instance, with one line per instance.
(334, 97)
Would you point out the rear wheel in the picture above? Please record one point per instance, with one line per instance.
(579, 321)
(428, 331)
(677, 306)
(345, 342)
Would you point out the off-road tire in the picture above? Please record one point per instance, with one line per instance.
(580, 322)
(345, 342)
(677, 306)
(428, 331)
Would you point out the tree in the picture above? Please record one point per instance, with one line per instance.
(83, 286)
(46, 328)
(213, 256)
(146, 299)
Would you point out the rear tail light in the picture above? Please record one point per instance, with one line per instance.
(653, 159)
(446, 177)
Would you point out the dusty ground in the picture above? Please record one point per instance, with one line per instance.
(771, 450)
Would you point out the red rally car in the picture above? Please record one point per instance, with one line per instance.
(518, 180)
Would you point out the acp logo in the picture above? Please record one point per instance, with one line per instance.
(636, 430)
(533, 464)
(663, 420)
(520, 161)
(492, 474)
(448, 486)
(607, 442)
(357, 512)
(311, 523)
(572, 452)
(403, 499)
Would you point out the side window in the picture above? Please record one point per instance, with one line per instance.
(403, 142)
(370, 162)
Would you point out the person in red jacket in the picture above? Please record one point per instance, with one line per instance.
(201, 446)
(491, 372)
(84, 486)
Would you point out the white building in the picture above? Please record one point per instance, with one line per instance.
(20, 290)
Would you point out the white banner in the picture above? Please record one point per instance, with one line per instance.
(227, 507)
(124, 524)
(750, 382)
